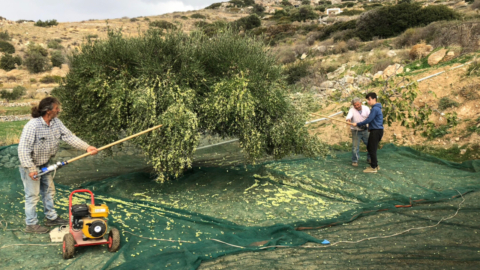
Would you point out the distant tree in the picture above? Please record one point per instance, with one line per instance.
(258, 9)
(57, 58)
(6, 47)
(304, 13)
(48, 23)
(36, 59)
(8, 62)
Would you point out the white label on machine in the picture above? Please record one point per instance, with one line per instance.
(101, 210)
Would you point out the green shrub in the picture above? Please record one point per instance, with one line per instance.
(297, 71)
(57, 58)
(51, 79)
(184, 18)
(163, 25)
(17, 92)
(33, 80)
(148, 19)
(8, 62)
(5, 36)
(198, 16)
(306, 2)
(352, 12)
(258, 9)
(390, 21)
(36, 59)
(55, 44)
(6, 47)
(214, 6)
(227, 85)
(446, 103)
(22, 21)
(134, 19)
(336, 27)
(304, 13)
(247, 23)
(320, 8)
(47, 23)
(286, 3)
(89, 36)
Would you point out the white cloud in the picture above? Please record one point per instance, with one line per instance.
(76, 10)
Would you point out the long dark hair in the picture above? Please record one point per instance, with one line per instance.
(44, 106)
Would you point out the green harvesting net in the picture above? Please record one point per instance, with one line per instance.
(222, 214)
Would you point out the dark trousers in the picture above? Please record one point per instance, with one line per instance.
(373, 140)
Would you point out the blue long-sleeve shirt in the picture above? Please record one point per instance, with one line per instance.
(375, 119)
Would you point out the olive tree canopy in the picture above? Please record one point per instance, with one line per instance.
(192, 84)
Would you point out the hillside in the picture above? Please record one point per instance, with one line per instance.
(323, 55)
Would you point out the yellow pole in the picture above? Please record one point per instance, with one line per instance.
(114, 143)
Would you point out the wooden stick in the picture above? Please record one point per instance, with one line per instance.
(345, 122)
(114, 143)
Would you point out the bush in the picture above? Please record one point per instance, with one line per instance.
(247, 23)
(89, 36)
(446, 103)
(57, 59)
(33, 80)
(304, 13)
(214, 6)
(6, 47)
(297, 72)
(340, 47)
(258, 9)
(17, 92)
(5, 36)
(286, 3)
(48, 23)
(198, 16)
(51, 79)
(226, 85)
(353, 43)
(352, 12)
(55, 44)
(392, 20)
(320, 8)
(8, 62)
(184, 18)
(163, 25)
(36, 59)
(336, 27)
(148, 19)
(306, 2)
(287, 57)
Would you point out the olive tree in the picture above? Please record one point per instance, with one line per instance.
(191, 84)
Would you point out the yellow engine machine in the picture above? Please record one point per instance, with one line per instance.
(90, 219)
(88, 225)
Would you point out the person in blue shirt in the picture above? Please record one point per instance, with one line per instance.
(375, 127)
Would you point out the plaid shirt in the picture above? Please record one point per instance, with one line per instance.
(39, 142)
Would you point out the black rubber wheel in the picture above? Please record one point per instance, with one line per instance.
(68, 246)
(113, 240)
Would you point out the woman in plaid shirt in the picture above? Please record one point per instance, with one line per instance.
(38, 143)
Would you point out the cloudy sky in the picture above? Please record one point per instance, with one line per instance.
(79, 10)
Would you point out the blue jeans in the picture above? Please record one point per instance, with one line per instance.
(356, 137)
(43, 186)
